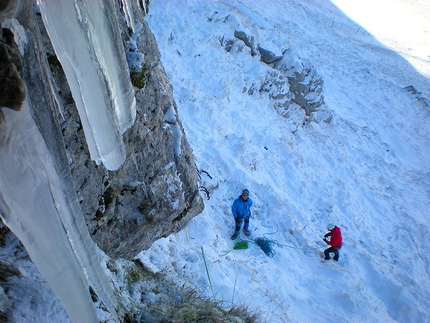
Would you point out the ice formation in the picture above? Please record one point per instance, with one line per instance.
(170, 119)
(129, 16)
(86, 39)
(34, 201)
(35, 205)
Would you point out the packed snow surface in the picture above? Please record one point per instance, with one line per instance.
(367, 170)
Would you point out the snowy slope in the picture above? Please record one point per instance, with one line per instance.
(366, 171)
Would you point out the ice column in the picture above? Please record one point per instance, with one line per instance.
(86, 39)
(128, 10)
(33, 205)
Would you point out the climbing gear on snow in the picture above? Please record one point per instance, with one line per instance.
(241, 245)
(266, 245)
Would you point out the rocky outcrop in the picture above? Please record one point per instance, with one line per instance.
(154, 192)
(292, 84)
(422, 100)
(12, 89)
(306, 86)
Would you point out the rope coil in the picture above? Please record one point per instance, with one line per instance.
(266, 245)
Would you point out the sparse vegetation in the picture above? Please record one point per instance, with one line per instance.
(162, 300)
(138, 77)
(190, 306)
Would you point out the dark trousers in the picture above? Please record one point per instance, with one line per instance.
(335, 250)
(238, 221)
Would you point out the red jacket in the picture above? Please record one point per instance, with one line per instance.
(335, 237)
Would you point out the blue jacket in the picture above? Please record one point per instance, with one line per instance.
(241, 208)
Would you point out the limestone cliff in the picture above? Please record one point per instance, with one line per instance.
(154, 192)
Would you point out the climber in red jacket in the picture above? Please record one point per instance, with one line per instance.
(335, 241)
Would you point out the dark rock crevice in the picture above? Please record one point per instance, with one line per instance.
(12, 86)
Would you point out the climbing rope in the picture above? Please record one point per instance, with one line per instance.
(290, 246)
(207, 272)
(266, 245)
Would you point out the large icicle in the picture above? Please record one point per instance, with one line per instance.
(129, 16)
(32, 204)
(86, 39)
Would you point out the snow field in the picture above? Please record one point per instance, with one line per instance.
(366, 171)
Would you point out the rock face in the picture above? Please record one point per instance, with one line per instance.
(154, 192)
(292, 83)
(12, 89)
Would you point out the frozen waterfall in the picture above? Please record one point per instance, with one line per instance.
(86, 39)
(35, 201)
(35, 205)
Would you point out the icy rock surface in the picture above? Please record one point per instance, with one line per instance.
(86, 40)
(33, 205)
(152, 194)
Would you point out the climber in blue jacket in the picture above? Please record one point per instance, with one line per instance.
(241, 210)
